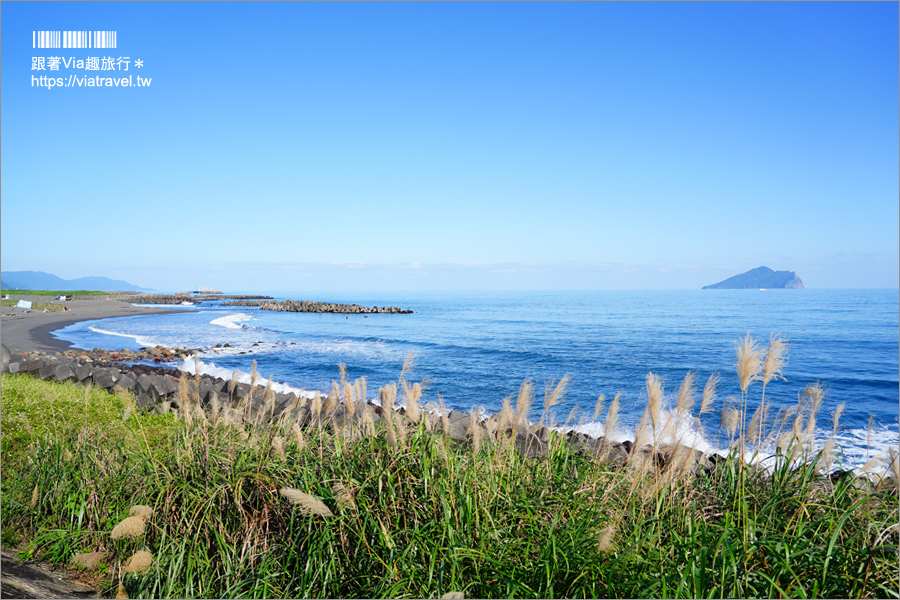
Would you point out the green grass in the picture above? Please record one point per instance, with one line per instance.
(419, 515)
(55, 292)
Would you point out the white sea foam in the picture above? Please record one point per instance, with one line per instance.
(143, 341)
(232, 321)
(208, 368)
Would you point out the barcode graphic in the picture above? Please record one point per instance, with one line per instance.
(73, 39)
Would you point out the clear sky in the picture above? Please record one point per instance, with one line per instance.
(418, 146)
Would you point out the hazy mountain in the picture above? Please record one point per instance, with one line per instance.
(760, 277)
(38, 280)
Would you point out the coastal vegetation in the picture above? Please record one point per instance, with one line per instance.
(217, 501)
(56, 293)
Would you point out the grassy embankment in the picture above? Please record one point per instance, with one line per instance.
(55, 293)
(351, 508)
(15, 295)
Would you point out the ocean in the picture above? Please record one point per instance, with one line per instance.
(475, 349)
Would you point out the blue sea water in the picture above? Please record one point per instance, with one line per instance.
(475, 349)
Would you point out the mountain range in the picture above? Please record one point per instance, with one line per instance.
(38, 280)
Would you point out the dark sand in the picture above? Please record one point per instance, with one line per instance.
(32, 331)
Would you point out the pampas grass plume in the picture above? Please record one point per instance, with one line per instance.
(278, 447)
(307, 504)
(599, 406)
(141, 510)
(139, 562)
(749, 362)
(128, 528)
(453, 595)
(709, 393)
(34, 496)
(90, 560)
(606, 538)
(686, 393)
(612, 417)
(121, 594)
(776, 357)
(343, 496)
(654, 398)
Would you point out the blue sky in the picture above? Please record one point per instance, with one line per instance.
(419, 146)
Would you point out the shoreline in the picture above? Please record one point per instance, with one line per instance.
(23, 332)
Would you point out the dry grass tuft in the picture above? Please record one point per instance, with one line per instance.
(141, 510)
(129, 527)
(307, 504)
(90, 560)
(343, 496)
(606, 538)
(139, 562)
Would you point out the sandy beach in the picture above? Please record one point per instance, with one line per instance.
(20, 331)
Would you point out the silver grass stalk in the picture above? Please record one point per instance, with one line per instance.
(298, 436)
(757, 422)
(612, 418)
(554, 397)
(343, 496)
(654, 398)
(826, 458)
(474, 431)
(816, 395)
(523, 403)
(686, 394)
(412, 395)
(307, 504)
(836, 419)
(709, 393)
(278, 447)
(445, 417)
(598, 407)
(776, 357)
(749, 362)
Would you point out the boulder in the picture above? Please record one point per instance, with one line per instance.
(64, 372)
(106, 377)
(26, 365)
(83, 372)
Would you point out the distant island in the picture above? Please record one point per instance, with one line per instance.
(760, 278)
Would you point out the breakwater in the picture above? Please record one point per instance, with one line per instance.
(179, 299)
(309, 306)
